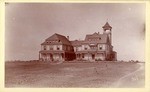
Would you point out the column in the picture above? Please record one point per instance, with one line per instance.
(39, 56)
(64, 56)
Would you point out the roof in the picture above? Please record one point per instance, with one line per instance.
(96, 38)
(77, 42)
(107, 25)
(91, 39)
(57, 39)
(55, 51)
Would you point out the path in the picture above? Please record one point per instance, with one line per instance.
(133, 79)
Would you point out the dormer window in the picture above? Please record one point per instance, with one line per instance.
(48, 41)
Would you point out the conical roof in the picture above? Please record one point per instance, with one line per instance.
(107, 25)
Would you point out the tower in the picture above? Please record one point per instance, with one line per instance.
(107, 30)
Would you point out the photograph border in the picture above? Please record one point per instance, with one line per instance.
(2, 49)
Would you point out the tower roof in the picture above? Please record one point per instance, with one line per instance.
(106, 26)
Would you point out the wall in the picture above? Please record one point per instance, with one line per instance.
(87, 46)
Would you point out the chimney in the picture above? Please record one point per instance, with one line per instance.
(68, 37)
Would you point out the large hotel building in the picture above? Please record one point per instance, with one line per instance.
(95, 47)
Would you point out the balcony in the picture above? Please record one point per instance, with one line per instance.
(51, 51)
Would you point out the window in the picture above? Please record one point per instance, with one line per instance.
(85, 47)
(58, 48)
(76, 48)
(99, 38)
(82, 55)
(44, 47)
(100, 48)
(62, 55)
(51, 47)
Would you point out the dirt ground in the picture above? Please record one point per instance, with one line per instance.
(83, 75)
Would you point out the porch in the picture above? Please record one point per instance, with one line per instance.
(91, 56)
(53, 56)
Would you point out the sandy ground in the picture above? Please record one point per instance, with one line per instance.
(83, 75)
(135, 77)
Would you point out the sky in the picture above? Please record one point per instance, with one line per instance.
(27, 25)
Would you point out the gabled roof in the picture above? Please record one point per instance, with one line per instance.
(107, 25)
(77, 42)
(96, 38)
(57, 39)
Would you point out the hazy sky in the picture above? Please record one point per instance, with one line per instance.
(28, 25)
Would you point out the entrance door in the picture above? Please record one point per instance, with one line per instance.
(51, 57)
(93, 56)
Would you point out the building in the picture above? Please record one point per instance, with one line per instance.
(95, 47)
(56, 48)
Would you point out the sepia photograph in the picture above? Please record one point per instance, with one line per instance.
(75, 45)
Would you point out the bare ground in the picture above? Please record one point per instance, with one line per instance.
(95, 75)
